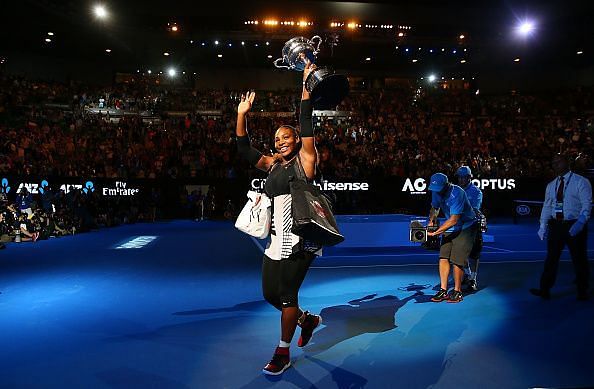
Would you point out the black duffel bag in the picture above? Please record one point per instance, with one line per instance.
(313, 219)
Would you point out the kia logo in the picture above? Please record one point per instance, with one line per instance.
(523, 210)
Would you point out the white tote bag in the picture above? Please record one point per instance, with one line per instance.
(255, 217)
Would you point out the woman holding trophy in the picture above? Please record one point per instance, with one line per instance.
(287, 257)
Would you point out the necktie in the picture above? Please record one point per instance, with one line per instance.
(559, 215)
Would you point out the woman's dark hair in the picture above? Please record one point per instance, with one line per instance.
(294, 129)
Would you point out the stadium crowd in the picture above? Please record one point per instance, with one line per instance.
(140, 130)
(47, 129)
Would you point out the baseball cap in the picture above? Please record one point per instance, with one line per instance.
(437, 182)
(464, 171)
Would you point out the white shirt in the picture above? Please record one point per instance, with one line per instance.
(283, 242)
(577, 198)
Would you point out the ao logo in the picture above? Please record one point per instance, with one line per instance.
(523, 210)
(419, 186)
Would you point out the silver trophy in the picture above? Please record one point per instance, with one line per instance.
(326, 87)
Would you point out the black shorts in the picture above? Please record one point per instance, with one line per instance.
(456, 246)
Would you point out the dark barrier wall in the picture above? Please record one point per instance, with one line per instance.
(374, 196)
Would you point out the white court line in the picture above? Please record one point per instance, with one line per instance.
(502, 251)
(428, 264)
(257, 244)
(497, 248)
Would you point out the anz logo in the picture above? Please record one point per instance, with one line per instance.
(32, 188)
(5, 187)
(89, 187)
(44, 184)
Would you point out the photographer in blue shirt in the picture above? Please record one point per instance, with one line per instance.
(475, 197)
(459, 233)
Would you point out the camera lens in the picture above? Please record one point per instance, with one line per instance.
(419, 235)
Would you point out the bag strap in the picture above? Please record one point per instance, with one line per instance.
(301, 171)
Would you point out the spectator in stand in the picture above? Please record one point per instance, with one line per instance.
(25, 200)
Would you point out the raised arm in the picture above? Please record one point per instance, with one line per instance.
(244, 146)
(308, 152)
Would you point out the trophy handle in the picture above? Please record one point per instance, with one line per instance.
(319, 38)
(280, 66)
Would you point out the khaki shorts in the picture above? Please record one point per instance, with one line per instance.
(456, 246)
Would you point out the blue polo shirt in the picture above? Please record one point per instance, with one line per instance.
(455, 202)
(475, 196)
(24, 202)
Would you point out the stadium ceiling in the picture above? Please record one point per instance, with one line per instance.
(139, 32)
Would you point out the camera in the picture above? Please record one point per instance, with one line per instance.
(418, 234)
(418, 231)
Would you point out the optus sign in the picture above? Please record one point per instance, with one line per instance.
(419, 185)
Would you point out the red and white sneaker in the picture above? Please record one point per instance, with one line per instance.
(308, 324)
(280, 362)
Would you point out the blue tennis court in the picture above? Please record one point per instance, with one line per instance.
(178, 305)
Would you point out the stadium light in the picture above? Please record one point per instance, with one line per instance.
(149, 71)
(100, 11)
(525, 28)
(50, 33)
(108, 50)
(171, 72)
(432, 78)
(580, 52)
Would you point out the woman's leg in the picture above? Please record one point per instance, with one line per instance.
(293, 272)
(271, 282)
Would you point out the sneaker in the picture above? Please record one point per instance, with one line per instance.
(308, 324)
(542, 293)
(473, 285)
(455, 296)
(466, 279)
(280, 362)
(440, 296)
